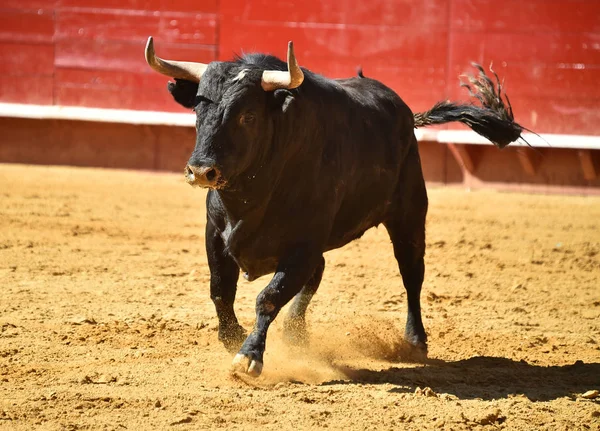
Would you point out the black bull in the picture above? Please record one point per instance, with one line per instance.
(299, 164)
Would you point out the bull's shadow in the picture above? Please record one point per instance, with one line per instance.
(485, 377)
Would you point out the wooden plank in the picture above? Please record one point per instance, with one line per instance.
(529, 159)
(76, 143)
(587, 164)
(465, 156)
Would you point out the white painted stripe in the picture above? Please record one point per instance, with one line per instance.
(545, 140)
(126, 116)
(52, 112)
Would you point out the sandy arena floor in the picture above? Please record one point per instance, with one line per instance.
(106, 323)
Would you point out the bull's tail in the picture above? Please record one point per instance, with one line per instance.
(493, 119)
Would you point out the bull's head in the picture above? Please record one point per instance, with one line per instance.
(234, 104)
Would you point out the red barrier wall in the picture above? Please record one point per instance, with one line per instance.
(90, 52)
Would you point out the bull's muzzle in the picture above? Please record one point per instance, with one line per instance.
(203, 176)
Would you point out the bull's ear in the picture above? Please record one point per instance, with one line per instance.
(283, 100)
(184, 92)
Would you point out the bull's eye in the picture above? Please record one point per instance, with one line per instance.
(246, 119)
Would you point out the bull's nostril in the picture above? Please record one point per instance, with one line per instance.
(211, 175)
(189, 173)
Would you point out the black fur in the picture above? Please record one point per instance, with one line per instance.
(316, 168)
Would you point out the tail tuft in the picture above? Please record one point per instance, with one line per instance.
(493, 120)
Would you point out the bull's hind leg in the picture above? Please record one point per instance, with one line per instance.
(224, 274)
(406, 227)
(294, 326)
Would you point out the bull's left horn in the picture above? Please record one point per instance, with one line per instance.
(176, 69)
(274, 79)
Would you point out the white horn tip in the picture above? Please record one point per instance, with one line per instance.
(149, 51)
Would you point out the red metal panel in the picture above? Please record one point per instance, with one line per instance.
(93, 54)
(356, 44)
(157, 99)
(431, 14)
(29, 4)
(581, 49)
(419, 87)
(186, 52)
(204, 6)
(114, 89)
(26, 26)
(547, 76)
(143, 5)
(105, 25)
(539, 80)
(521, 16)
(125, 56)
(107, 79)
(555, 114)
(26, 59)
(26, 89)
(547, 50)
(188, 28)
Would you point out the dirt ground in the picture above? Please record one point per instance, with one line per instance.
(106, 322)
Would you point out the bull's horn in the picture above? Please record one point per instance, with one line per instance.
(176, 69)
(274, 79)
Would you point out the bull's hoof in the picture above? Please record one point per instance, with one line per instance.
(232, 337)
(243, 364)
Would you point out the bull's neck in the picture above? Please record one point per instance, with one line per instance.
(249, 195)
(245, 207)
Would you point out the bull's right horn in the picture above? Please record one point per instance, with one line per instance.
(293, 78)
(176, 69)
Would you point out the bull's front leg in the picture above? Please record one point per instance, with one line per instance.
(292, 273)
(224, 274)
